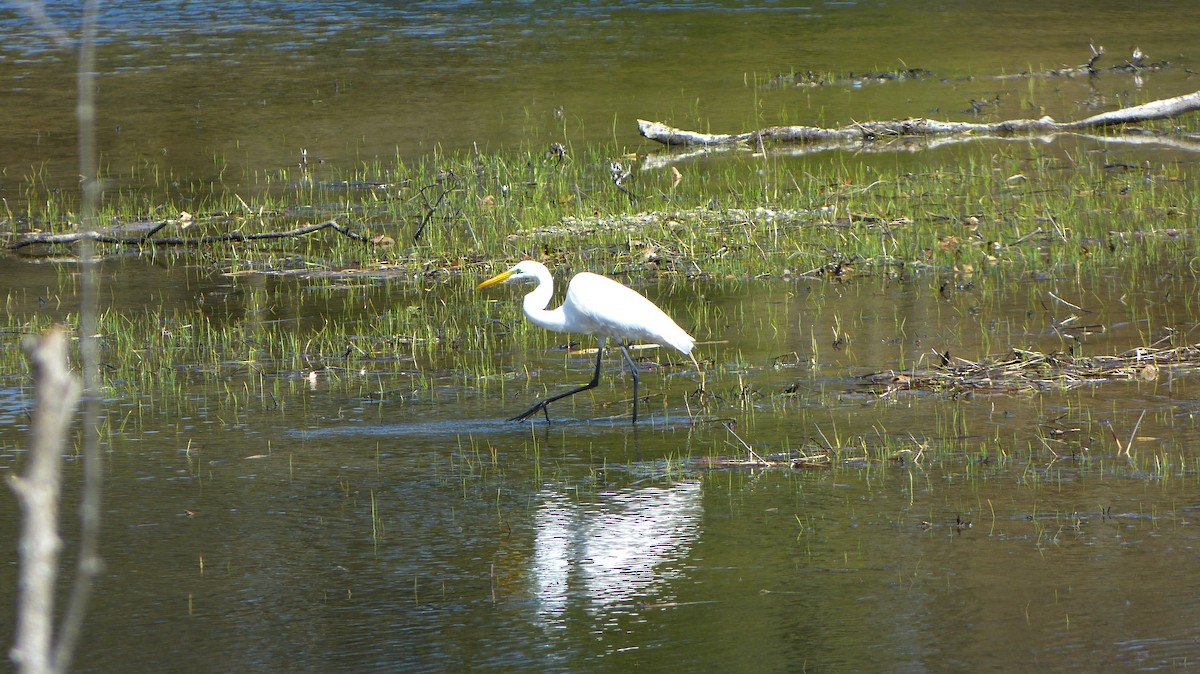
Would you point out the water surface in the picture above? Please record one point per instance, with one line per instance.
(371, 518)
(190, 93)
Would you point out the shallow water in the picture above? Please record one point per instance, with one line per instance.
(194, 93)
(385, 518)
(322, 530)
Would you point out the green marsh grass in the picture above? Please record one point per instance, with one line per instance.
(734, 215)
(972, 219)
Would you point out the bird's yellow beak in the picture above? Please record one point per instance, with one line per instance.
(498, 278)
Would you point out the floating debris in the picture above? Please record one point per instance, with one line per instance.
(1033, 371)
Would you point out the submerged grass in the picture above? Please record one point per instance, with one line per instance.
(360, 320)
(740, 215)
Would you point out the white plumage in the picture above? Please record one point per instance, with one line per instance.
(595, 305)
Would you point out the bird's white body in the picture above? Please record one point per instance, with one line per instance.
(595, 305)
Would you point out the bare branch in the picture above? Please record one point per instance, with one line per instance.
(87, 562)
(38, 490)
(37, 11)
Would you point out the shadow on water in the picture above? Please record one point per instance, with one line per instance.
(485, 427)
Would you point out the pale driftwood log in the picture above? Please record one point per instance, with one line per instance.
(866, 132)
(1165, 108)
(1130, 137)
(56, 391)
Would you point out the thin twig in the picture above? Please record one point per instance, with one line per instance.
(1133, 434)
(88, 562)
(1062, 301)
(749, 449)
(37, 11)
(1028, 236)
(430, 210)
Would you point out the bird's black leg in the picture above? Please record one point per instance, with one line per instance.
(542, 404)
(633, 369)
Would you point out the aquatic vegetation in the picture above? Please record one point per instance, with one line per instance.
(1012, 205)
(379, 309)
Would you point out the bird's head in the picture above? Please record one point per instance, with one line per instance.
(522, 271)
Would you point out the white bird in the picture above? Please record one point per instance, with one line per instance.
(595, 305)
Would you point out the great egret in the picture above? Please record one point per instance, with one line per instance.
(599, 306)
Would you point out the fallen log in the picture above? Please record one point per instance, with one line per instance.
(146, 236)
(868, 132)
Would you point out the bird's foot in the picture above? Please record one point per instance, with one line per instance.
(541, 405)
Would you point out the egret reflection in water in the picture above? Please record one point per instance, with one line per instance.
(615, 551)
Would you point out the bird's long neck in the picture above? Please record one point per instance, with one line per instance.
(535, 304)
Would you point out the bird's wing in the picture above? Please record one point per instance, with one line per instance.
(601, 306)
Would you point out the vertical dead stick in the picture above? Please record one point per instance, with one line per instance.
(88, 562)
(56, 391)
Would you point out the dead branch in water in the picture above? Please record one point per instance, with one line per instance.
(118, 235)
(1136, 64)
(869, 132)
